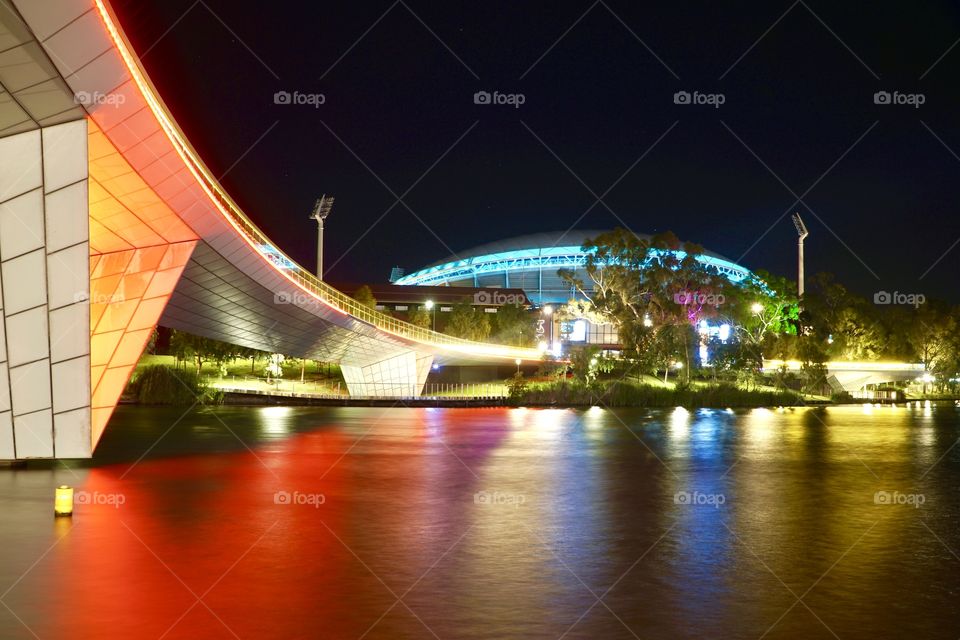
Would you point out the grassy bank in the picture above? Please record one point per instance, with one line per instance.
(629, 394)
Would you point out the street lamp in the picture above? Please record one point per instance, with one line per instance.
(429, 305)
(321, 209)
(756, 307)
(518, 361)
(547, 310)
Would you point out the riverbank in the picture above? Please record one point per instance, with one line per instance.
(620, 393)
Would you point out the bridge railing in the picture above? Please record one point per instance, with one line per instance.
(279, 260)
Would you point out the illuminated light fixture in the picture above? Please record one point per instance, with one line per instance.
(756, 307)
(548, 310)
(647, 322)
(63, 501)
(321, 209)
(678, 365)
(428, 304)
(802, 233)
(724, 332)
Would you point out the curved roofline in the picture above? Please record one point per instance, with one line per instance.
(546, 239)
(519, 255)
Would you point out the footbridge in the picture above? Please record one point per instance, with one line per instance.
(111, 224)
(853, 376)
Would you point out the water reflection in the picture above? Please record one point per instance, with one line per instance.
(295, 522)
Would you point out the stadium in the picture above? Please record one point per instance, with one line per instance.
(530, 263)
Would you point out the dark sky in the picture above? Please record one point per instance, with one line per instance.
(798, 82)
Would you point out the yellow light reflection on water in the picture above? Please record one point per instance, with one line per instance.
(679, 424)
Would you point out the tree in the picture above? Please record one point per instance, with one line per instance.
(364, 296)
(513, 325)
(761, 309)
(421, 317)
(275, 366)
(654, 290)
(467, 322)
(848, 323)
(932, 334)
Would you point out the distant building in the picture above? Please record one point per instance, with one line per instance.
(400, 301)
(530, 264)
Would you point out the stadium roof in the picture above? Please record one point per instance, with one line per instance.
(543, 240)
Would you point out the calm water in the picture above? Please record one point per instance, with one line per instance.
(493, 523)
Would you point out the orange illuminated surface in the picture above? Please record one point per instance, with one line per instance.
(138, 249)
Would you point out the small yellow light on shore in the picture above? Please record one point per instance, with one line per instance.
(63, 502)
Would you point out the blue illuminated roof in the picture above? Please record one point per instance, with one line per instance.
(545, 250)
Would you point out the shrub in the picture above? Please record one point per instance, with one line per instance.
(160, 384)
(622, 393)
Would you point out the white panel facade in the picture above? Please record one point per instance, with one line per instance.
(400, 376)
(44, 291)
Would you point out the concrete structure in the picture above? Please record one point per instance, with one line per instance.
(856, 376)
(110, 224)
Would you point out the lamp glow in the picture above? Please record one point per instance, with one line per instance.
(63, 501)
(428, 304)
(756, 307)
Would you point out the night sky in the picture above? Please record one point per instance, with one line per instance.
(798, 82)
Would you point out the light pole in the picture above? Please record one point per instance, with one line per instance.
(518, 365)
(429, 305)
(548, 311)
(321, 209)
(802, 233)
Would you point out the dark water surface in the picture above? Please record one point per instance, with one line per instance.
(282, 522)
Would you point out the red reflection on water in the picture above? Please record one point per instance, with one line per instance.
(210, 525)
(200, 547)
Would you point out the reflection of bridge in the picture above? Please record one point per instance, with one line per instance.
(854, 376)
(110, 224)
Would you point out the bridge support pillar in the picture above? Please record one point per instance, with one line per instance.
(44, 291)
(400, 376)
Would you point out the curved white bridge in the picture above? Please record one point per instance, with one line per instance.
(111, 224)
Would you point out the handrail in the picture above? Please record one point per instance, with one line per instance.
(257, 239)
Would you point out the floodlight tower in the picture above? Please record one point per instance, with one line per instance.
(321, 209)
(802, 233)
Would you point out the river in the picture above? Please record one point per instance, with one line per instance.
(279, 522)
